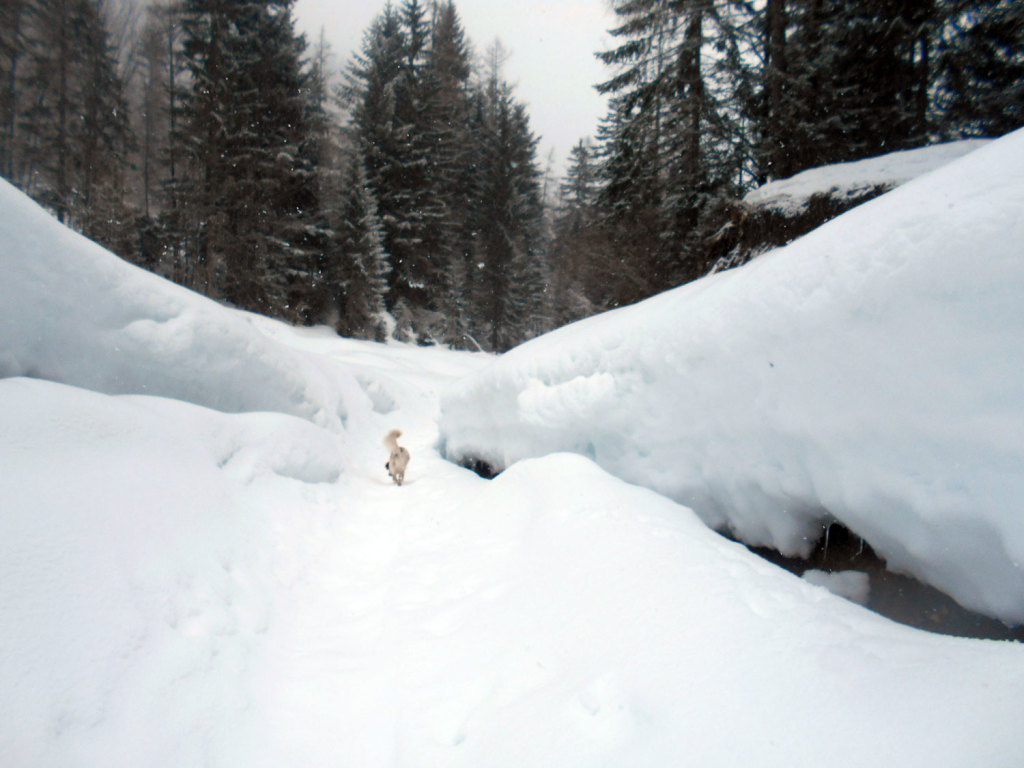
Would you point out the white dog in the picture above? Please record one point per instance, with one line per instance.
(399, 458)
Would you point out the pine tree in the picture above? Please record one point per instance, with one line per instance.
(323, 147)
(840, 80)
(104, 141)
(406, 91)
(151, 104)
(54, 83)
(13, 44)
(360, 271)
(874, 72)
(160, 68)
(507, 217)
(161, 158)
(65, 134)
(376, 83)
(669, 140)
(245, 131)
(419, 247)
(579, 251)
(66, 130)
(632, 141)
(980, 63)
(449, 162)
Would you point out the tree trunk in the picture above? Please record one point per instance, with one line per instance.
(12, 17)
(776, 150)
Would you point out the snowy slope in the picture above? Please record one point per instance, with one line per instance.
(853, 179)
(872, 371)
(182, 586)
(70, 311)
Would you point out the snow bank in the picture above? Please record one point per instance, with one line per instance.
(844, 181)
(871, 372)
(179, 588)
(134, 571)
(853, 585)
(72, 312)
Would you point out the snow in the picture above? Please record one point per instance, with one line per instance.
(853, 179)
(203, 562)
(853, 585)
(131, 332)
(871, 372)
(167, 605)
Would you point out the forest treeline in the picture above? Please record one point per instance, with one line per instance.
(401, 194)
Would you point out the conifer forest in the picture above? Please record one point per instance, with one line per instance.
(401, 195)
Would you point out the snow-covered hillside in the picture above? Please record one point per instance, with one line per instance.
(871, 372)
(216, 571)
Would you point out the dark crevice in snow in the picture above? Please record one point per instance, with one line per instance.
(897, 596)
(754, 230)
(483, 468)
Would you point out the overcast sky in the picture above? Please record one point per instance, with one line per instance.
(552, 45)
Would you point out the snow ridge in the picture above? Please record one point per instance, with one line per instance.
(870, 372)
(72, 312)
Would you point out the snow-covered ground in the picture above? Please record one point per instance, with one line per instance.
(870, 372)
(203, 563)
(847, 181)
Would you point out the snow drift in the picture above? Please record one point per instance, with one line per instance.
(71, 311)
(176, 593)
(870, 372)
(181, 586)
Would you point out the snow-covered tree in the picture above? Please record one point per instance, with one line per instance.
(358, 272)
(579, 249)
(381, 92)
(66, 123)
(669, 139)
(449, 156)
(980, 61)
(408, 93)
(507, 216)
(245, 130)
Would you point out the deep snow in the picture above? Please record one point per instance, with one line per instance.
(185, 586)
(870, 372)
(73, 312)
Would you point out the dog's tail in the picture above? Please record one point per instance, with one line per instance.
(391, 439)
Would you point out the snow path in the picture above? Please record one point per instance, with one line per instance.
(556, 616)
(372, 619)
(239, 615)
